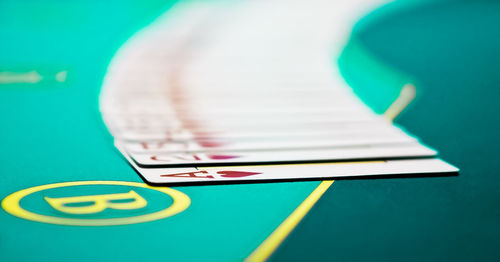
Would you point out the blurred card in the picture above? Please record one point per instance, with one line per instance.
(187, 135)
(259, 157)
(163, 147)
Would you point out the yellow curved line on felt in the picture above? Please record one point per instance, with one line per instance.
(11, 204)
(406, 96)
(271, 243)
(266, 248)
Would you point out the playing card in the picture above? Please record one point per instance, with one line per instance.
(407, 150)
(162, 147)
(311, 171)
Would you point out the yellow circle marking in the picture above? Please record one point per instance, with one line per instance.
(12, 206)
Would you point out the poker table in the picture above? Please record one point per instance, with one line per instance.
(54, 144)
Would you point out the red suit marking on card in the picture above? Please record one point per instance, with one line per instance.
(221, 157)
(174, 158)
(235, 174)
(204, 134)
(189, 174)
(209, 143)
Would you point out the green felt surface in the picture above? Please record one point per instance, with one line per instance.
(452, 50)
(52, 132)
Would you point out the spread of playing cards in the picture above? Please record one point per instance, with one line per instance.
(248, 91)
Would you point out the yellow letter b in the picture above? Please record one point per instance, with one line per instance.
(98, 203)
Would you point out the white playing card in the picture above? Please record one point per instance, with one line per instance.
(295, 134)
(163, 147)
(282, 156)
(316, 171)
(230, 132)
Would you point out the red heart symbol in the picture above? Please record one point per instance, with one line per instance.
(221, 157)
(210, 143)
(236, 173)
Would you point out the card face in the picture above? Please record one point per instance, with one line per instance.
(281, 156)
(245, 124)
(221, 174)
(163, 147)
(189, 135)
(256, 132)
